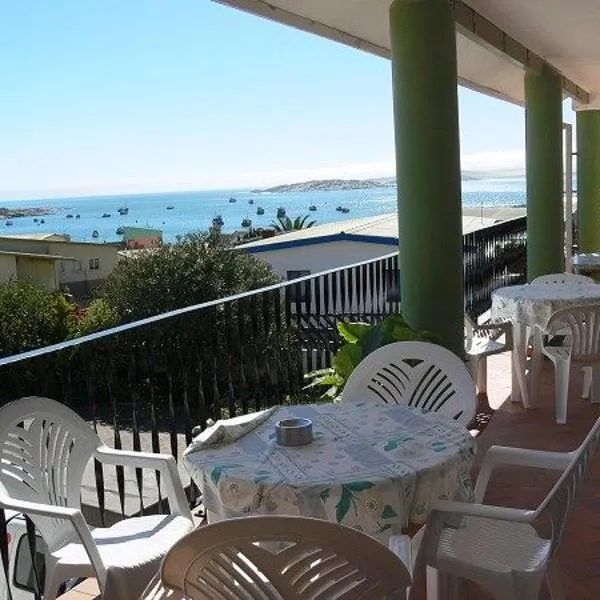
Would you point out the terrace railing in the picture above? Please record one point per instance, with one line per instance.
(146, 385)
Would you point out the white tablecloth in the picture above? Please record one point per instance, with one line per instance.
(532, 305)
(371, 467)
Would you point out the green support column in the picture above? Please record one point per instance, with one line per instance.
(428, 167)
(543, 134)
(588, 180)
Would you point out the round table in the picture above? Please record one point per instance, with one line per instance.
(372, 467)
(528, 307)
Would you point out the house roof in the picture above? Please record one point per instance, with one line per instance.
(496, 39)
(36, 255)
(133, 232)
(380, 229)
(49, 237)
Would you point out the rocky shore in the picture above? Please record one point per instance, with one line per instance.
(15, 213)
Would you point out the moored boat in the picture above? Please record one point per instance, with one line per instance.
(312, 207)
(246, 222)
(95, 234)
(260, 211)
(280, 212)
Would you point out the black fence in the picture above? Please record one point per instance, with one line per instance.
(146, 385)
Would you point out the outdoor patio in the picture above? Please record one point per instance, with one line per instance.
(519, 487)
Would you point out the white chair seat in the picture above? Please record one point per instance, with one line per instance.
(129, 543)
(484, 346)
(491, 546)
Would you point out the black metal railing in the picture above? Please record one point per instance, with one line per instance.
(145, 385)
(493, 257)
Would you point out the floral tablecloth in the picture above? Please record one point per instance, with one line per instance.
(371, 467)
(533, 305)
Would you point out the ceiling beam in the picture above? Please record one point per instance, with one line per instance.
(471, 24)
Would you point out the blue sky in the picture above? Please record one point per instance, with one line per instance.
(148, 95)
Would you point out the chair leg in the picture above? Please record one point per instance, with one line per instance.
(587, 382)
(52, 583)
(595, 384)
(562, 370)
(482, 375)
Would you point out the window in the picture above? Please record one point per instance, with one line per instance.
(300, 291)
(94, 264)
(25, 576)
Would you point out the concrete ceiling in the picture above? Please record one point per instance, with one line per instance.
(563, 33)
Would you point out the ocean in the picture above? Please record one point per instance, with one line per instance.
(194, 211)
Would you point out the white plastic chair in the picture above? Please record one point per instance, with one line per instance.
(275, 557)
(417, 374)
(569, 278)
(499, 548)
(44, 449)
(579, 327)
(482, 341)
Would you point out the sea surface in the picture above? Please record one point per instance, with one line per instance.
(194, 211)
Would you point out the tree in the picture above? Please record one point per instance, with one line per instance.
(286, 224)
(32, 317)
(198, 268)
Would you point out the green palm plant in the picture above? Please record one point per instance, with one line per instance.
(286, 224)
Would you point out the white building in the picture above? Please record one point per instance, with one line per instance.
(307, 251)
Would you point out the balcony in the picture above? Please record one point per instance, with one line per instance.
(145, 385)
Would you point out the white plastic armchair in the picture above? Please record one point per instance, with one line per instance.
(482, 341)
(554, 278)
(275, 557)
(417, 374)
(44, 449)
(579, 329)
(500, 548)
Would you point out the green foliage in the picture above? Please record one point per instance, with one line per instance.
(32, 317)
(360, 340)
(198, 268)
(97, 316)
(286, 224)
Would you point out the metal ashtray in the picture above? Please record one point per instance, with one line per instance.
(294, 432)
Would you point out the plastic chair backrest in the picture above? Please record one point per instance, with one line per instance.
(276, 557)
(417, 374)
(558, 505)
(562, 278)
(581, 324)
(44, 449)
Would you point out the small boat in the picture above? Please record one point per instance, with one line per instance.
(232, 200)
(170, 207)
(69, 216)
(120, 231)
(8, 223)
(77, 216)
(95, 234)
(123, 210)
(343, 209)
(106, 215)
(280, 212)
(251, 201)
(246, 222)
(260, 211)
(35, 220)
(312, 207)
(42, 221)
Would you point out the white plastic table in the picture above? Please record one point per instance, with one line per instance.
(372, 467)
(528, 308)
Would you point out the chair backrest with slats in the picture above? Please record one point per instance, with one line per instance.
(554, 278)
(277, 558)
(417, 374)
(561, 500)
(44, 449)
(581, 325)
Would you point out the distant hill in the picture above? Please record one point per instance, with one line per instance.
(327, 185)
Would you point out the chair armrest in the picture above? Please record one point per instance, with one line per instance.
(164, 463)
(61, 512)
(484, 511)
(521, 457)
